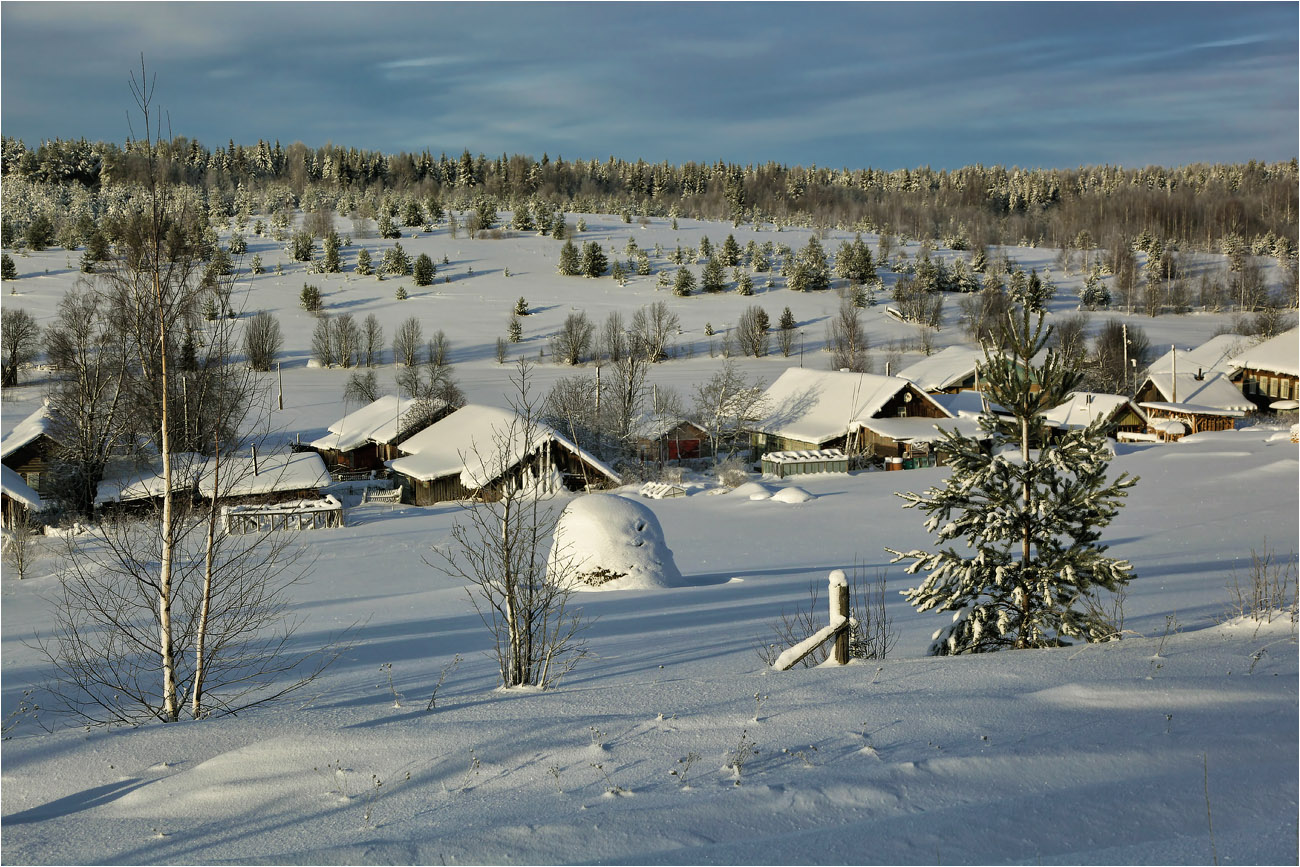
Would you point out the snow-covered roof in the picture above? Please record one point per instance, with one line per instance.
(1084, 407)
(943, 369)
(1214, 392)
(234, 476)
(377, 422)
(819, 405)
(1190, 408)
(1280, 354)
(26, 431)
(811, 456)
(924, 430)
(478, 442)
(15, 488)
(966, 404)
(1212, 356)
(291, 471)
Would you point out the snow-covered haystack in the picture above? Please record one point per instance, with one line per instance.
(613, 543)
(792, 494)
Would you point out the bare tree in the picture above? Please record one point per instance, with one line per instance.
(613, 337)
(727, 406)
(407, 341)
(362, 388)
(323, 347)
(652, 328)
(20, 336)
(87, 398)
(847, 339)
(372, 341)
(751, 331)
(262, 340)
(572, 343)
(346, 339)
(500, 547)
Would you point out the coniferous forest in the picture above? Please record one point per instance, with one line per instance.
(54, 194)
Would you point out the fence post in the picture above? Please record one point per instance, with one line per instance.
(839, 602)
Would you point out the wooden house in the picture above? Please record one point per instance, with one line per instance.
(1199, 401)
(29, 449)
(476, 450)
(1269, 373)
(670, 439)
(1118, 414)
(949, 371)
(17, 499)
(368, 437)
(810, 410)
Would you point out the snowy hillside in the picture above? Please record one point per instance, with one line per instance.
(674, 743)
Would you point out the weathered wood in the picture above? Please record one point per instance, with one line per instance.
(839, 596)
(838, 628)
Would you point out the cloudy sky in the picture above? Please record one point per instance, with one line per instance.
(840, 84)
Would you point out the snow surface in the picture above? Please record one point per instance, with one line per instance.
(618, 535)
(1129, 752)
(14, 486)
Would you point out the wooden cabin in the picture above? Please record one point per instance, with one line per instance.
(367, 438)
(477, 450)
(810, 410)
(670, 440)
(1269, 374)
(29, 449)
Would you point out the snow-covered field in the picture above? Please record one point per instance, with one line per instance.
(1176, 745)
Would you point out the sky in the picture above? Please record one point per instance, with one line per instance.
(885, 85)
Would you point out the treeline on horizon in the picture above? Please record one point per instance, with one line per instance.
(1202, 207)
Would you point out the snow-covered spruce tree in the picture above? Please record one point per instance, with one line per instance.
(1031, 518)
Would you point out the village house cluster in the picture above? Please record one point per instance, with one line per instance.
(813, 422)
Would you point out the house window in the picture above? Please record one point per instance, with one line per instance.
(1284, 389)
(1272, 386)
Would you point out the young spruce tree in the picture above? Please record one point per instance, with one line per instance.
(1030, 518)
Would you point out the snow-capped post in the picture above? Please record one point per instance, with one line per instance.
(839, 602)
(838, 628)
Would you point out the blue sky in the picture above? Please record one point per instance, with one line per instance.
(837, 84)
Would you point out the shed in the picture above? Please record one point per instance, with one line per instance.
(802, 463)
(669, 439)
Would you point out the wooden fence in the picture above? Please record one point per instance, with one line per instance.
(838, 629)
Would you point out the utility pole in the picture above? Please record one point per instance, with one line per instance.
(279, 375)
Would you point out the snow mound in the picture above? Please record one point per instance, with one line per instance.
(792, 494)
(613, 543)
(751, 491)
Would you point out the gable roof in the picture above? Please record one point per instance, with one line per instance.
(944, 369)
(1215, 392)
(819, 405)
(376, 422)
(1279, 354)
(474, 442)
(1212, 356)
(1082, 408)
(26, 431)
(15, 488)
